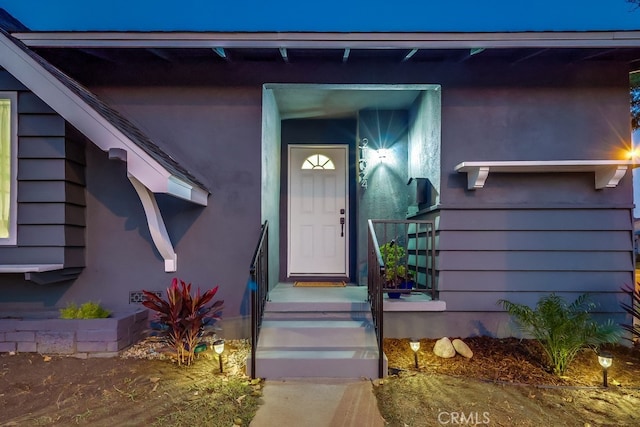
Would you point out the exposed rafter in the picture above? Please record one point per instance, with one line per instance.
(472, 52)
(409, 55)
(221, 52)
(100, 54)
(345, 55)
(161, 54)
(597, 54)
(283, 53)
(531, 55)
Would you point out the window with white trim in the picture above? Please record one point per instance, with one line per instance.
(318, 161)
(8, 159)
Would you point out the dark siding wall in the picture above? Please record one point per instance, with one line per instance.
(50, 186)
(525, 235)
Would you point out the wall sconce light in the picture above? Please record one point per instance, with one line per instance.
(218, 347)
(606, 360)
(383, 153)
(415, 346)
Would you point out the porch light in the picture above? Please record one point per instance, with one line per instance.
(606, 360)
(218, 347)
(415, 346)
(383, 153)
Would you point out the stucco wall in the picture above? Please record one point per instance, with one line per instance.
(209, 117)
(217, 133)
(271, 167)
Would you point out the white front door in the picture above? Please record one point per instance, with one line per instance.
(318, 211)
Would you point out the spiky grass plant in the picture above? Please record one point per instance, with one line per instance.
(634, 310)
(562, 329)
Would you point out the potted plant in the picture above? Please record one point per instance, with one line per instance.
(396, 275)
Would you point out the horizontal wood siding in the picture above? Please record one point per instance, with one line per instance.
(521, 255)
(51, 183)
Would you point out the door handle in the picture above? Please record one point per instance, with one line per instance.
(342, 227)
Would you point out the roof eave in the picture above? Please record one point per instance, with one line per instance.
(421, 40)
(100, 131)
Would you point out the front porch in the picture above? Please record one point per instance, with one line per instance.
(317, 332)
(324, 331)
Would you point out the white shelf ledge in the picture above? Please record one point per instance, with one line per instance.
(608, 173)
(29, 268)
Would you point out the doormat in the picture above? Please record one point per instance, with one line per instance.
(319, 284)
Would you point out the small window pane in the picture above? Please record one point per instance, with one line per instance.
(318, 161)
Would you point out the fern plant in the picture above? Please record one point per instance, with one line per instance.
(633, 309)
(184, 318)
(562, 329)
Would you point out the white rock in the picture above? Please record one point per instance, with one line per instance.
(444, 348)
(462, 348)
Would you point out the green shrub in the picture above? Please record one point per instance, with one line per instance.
(562, 329)
(392, 254)
(88, 310)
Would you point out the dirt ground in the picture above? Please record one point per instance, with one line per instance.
(504, 384)
(142, 389)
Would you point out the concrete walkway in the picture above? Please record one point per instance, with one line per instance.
(318, 402)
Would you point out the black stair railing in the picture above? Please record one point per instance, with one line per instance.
(375, 275)
(417, 261)
(259, 271)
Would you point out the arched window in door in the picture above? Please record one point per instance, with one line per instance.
(318, 161)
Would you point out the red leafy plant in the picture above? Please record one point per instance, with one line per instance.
(184, 319)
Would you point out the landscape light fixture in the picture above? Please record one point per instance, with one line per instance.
(415, 346)
(218, 347)
(606, 360)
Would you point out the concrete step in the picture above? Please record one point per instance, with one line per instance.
(317, 315)
(309, 333)
(316, 333)
(309, 307)
(346, 362)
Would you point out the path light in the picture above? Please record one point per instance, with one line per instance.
(606, 360)
(218, 347)
(415, 346)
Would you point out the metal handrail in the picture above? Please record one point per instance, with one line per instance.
(259, 271)
(418, 240)
(374, 289)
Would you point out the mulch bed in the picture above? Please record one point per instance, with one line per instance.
(516, 361)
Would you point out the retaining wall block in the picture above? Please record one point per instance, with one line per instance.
(8, 324)
(27, 347)
(21, 336)
(97, 335)
(56, 342)
(7, 346)
(91, 346)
